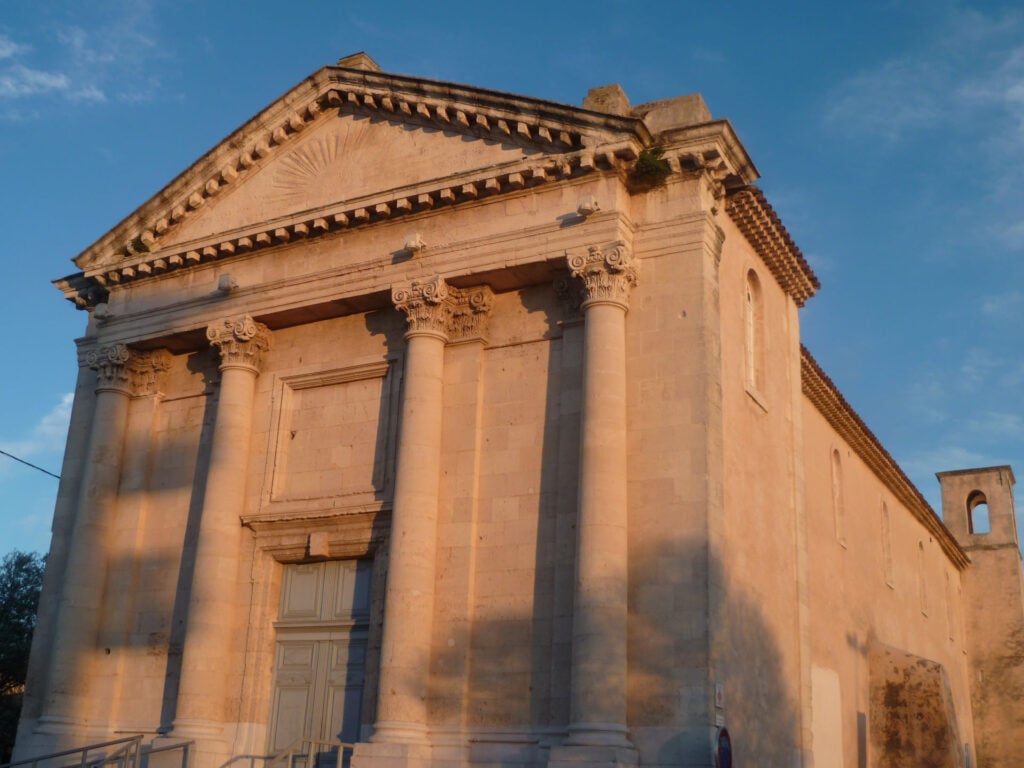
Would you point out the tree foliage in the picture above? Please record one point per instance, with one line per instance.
(21, 578)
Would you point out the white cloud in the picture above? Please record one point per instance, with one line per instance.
(941, 459)
(995, 425)
(974, 65)
(1004, 306)
(47, 436)
(19, 80)
(10, 49)
(889, 100)
(111, 57)
(961, 93)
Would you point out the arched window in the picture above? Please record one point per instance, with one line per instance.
(887, 545)
(922, 580)
(837, 498)
(753, 316)
(977, 514)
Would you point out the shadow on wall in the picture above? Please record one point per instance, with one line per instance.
(672, 648)
(672, 704)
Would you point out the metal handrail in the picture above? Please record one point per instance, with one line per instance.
(184, 745)
(126, 755)
(286, 758)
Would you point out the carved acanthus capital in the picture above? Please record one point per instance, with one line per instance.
(241, 342)
(426, 306)
(148, 369)
(122, 369)
(471, 311)
(435, 308)
(111, 365)
(605, 274)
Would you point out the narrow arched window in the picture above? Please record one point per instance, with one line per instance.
(922, 579)
(753, 312)
(977, 514)
(887, 545)
(837, 498)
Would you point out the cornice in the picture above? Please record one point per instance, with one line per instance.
(823, 394)
(757, 220)
(571, 142)
(541, 125)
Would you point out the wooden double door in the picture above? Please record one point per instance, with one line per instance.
(320, 655)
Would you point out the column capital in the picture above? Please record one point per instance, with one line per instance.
(425, 305)
(241, 342)
(606, 273)
(432, 307)
(119, 368)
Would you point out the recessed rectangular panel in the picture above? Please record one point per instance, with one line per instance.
(353, 590)
(344, 705)
(302, 592)
(331, 440)
(290, 716)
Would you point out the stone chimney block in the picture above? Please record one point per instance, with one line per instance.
(359, 61)
(610, 99)
(678, 112)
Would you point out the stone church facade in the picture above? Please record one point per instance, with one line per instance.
(474, 429)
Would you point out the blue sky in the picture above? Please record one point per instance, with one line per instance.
(889, 135)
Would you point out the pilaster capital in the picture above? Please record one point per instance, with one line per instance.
(147, 371)
(241, 342)
(605, 274)
(471, 311)
(425, 305)
(120, 368)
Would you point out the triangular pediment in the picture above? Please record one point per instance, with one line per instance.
(379, 144)
(341, 160)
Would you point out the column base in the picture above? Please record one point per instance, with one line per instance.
(69, 733)
(212, 745)
(380, 754)
(582, 756)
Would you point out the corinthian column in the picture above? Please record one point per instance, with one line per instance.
(211, 637)
(598, 695)
(409, 601)
(70, 708)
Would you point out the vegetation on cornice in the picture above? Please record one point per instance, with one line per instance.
(650, 171)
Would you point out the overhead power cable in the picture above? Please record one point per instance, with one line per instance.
(29, 464)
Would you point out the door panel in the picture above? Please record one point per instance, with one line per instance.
(320, 658)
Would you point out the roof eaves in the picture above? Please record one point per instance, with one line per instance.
(756, 219)
(829, 401)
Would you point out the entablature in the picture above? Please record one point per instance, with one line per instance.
(506, 260)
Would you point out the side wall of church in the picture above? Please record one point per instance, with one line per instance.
(879, 582)
(756, 652)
